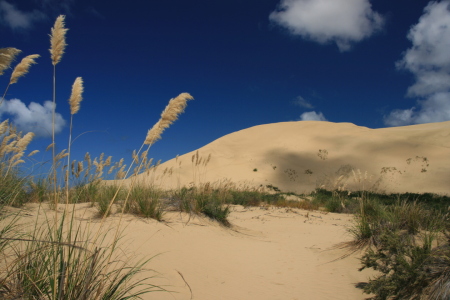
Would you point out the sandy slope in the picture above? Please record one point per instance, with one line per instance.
(286, 155)
(268, 253)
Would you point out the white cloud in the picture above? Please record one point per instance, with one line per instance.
(429, 60)
(56, 6)
(35, 118)
(16, 19)
(312, 116)
(435, 108)
(302, 102)
(341, 21)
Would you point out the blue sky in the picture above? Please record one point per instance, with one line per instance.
(372, 63)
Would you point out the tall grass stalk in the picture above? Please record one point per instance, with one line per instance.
(169, 115)
(58, 44)
(74, 101)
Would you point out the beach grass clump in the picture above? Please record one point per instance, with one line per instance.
(13, 146)
(39, 190)
(216, 210)
(104, 195)
(180, 200)
(246, 197)
(210, 202)
(82, 271)
(12, 190)
(406, 242)
(88, 192)
(403, 262)
(204, 200)
(145, 201)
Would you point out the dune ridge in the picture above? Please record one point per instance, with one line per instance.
(301, 156)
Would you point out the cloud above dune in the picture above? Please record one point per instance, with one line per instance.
(16, 19)
(302, 102)
(343, 22)
(312, 116)
(429, 61)
(35, 117)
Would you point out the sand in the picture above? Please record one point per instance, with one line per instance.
(267, 254)
(302, 156)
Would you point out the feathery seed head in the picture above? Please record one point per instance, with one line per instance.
(58, 40)
(144, 154)
(16, 157)
(7, 55)
(170, 114)
(121, 162)
(108, 161)
(61, 155)
(20, 161)
(76, 96)
(112, 169)
(22, 68)
(3, 127)
(121, 173)
(33, 153)
(72, 167)
(23, 143)
(6, 146)
(79, 169)
(135, 157)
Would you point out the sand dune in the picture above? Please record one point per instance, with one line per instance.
(279, 253)
(300, 156)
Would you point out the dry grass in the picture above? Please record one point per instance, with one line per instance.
(58, 40)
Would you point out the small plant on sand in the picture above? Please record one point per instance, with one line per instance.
(146, 201)
(405, 241)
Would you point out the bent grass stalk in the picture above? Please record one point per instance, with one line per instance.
(74, 101)
(7, 55)
(169, 115)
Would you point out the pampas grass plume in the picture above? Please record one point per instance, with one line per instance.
(7, 55)
(170, 114)
(76, 96)
(23, 143)
(33, 153)
(3, 127)
(21, 161)
(58, 40)
(22, 68)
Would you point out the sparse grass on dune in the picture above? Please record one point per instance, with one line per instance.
(406, 241)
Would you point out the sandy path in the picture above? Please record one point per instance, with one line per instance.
(270, 254)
